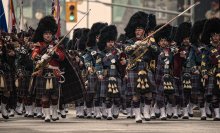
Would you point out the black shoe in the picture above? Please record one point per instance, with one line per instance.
(39, 116)
(63, 116)
(105, 117)
(185, 117)
(30, 116)
(153, 117)
(81, 116)
(109, 118)
(190, 115)
(203, 118)
(163, 118)
(5, 117)
(98, 118)
(115, 116)
(157, 115)
(47, 120)
(139, 121)
(175, 117)
(216, 119)
(147, 119)
(35, 114)
(89, 117)
(55, 119)
(12, 115)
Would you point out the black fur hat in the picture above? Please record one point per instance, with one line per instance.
(94, 32)
(183, 31)
(108, 33)
(196, 31)
(47, 23)
(81, 44)
(165, 33)
(138, 20)
(152, 23)
(211, 26)
(173, 32)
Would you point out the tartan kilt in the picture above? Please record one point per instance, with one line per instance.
(40, 85)
(9, 82)
(210, 87)
(92, 84)
(132, 78)
(24, 85)
(123, 87)
(196, 84)
(101, 91)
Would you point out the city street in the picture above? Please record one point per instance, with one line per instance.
(121, 125)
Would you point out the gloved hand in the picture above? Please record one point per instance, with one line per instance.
(45, 57)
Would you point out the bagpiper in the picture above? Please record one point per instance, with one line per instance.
(109, 70)
(47, 78)
(140, 79)
(211, 63)
(7, 74)
(93, 84)
(198, 90)
(166, 89)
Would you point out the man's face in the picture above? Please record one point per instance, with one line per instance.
(186, 41)
(110, 44)
(215, 5)
(47, 36)
(139, 33)
(26, 39)
(215, 38)
(163, 43)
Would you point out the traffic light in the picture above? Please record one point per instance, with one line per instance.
(71, 11)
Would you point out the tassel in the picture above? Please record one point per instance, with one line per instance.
(139, 80)
(172, 87)
(142, 87)
(116, 90)
(164, 83)
(1, 85)
(165, 87)
(142, 82)
(16, 83)
(112, 86)
(139, 85)
(47, 84)
(184, 81)
(115, 86)
(51, 83)
(168, 87)
(109, 85)
(145, 80)
(2, 82)
(147, 86)
(189, 82)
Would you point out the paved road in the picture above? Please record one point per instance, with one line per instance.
(122, 125)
